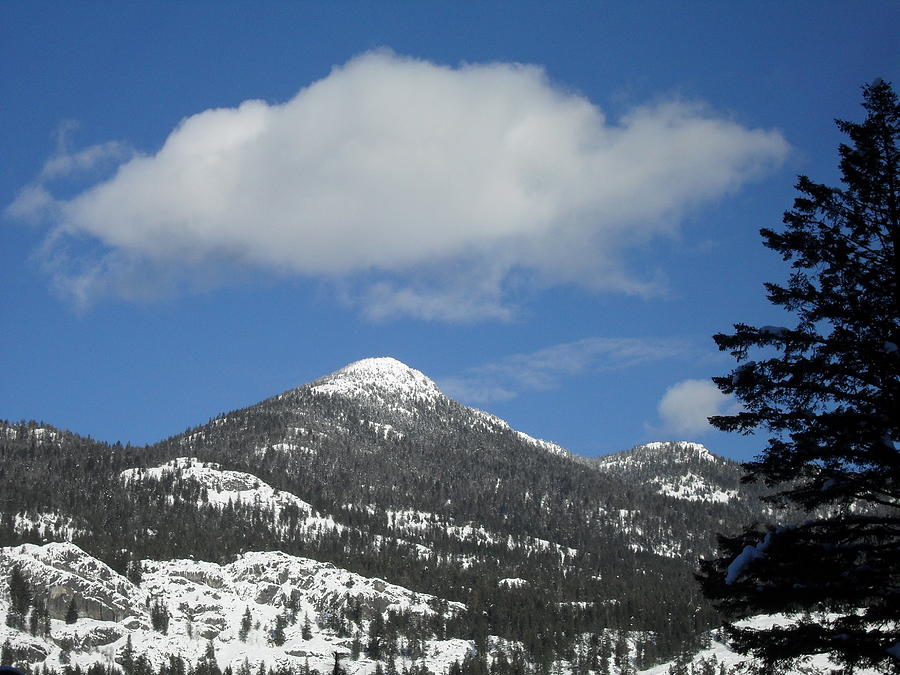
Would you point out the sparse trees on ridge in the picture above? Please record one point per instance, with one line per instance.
(827, 390)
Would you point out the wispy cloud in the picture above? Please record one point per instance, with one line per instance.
(685, 407)
(547, 368)
(390, 175)
(35, 202)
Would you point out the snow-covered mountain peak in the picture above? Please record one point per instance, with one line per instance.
(379, 377)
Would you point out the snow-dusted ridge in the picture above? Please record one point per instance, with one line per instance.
(493, 422)
(39, 434)
(47, 525)
(693, 488)
(223, 487)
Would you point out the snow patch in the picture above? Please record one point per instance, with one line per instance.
(745, 557)
(693, 488)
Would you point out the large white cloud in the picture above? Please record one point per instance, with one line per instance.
(419, 187)
(685, 406)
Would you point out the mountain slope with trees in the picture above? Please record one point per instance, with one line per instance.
(404, 484)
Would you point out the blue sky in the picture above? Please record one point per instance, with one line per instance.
(548, 208)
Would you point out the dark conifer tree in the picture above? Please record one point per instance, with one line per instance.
(45, 620)
(159, 617)
(337, 669)
(827, 390)
(126, 658)
(208, 665)
(19, 598)
(276, 632)
(134, 573)
(246, 624)
(355, 646)
(375, 645)
(72, 611)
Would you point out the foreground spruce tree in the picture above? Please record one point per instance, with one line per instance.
(827, 392)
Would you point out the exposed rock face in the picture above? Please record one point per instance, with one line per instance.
(269, 583)
(63, 571)
(86, 635)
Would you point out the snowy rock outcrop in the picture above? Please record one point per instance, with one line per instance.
(67, 572)
(205, 603)
(216, 596)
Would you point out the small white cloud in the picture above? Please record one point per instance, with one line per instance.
(685, 407)
(34, 203)
(547, 368)
(66, 163)
(391, 175)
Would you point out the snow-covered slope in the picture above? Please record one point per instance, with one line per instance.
(221, 487)
(494, 423)
(206, 604)
(718, 655)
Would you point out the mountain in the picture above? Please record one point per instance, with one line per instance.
(685, 471)
(389, 388)
(518, 546)
(678, 469)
